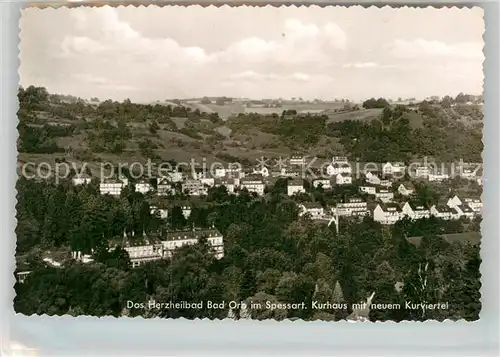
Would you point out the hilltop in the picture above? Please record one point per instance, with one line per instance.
(75, 130)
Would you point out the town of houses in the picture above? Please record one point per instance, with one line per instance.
(391, 199)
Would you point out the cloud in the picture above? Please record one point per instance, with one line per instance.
(154, 53)
(361, 65)
(421, 48)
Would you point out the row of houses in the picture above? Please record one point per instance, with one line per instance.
(454, 209)
(390, 213)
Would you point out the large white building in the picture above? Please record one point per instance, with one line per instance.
(194, 188)
(388, 213)
(396, 168)
(253, 185)
(422, 172)
(111, 187)
(143, 187)
(352, 207)
(444, 212)
(149, 248)
(165, 187)
(343, 179)
(463, 208)
(297, 161)
(294, 187)
(177, 239)
(414, 211)
(338, 168)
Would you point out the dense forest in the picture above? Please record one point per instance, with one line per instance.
(270, 254)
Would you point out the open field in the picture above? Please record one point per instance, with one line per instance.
(362, 114)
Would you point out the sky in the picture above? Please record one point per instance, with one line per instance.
(157, 53)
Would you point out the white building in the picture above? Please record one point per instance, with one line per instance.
(295, 186)
(352, 207)
(444, 212)
(438, 176)
(465, 211)
(393, 169)
(388, 213)
(162, 212)
(230, 183)
(340, 160)
(177, 239)
(343, 179)
(207, 181)
(338, 168)
(297, 161)
(82, 179)
(143, 187)
(386, 183)
(414, 211)
(422, 172)
(194, 188)
(475, 204)
(369, 189)
(468, 174)
(372, 178)
(186, 211)
(165, 187)
(175, 176)
(325, 183)
(262, 171)
(454, 201)
(315, 210)
(384, 195)
(111, 187)
(140, 249)
(253, 184)
(406, 189)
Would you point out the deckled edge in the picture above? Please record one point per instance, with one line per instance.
(73, 5)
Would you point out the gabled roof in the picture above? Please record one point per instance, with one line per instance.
(417, 207)
(390, 207)
(408, 185)
(191, 234)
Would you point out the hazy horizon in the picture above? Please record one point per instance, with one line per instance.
(152, 54)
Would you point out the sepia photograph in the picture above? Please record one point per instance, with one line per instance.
(250, 163)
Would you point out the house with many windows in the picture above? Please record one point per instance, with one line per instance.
(415, 211)
(352, 207)
(444, 212)
(295, 186)
(384, 195)
(387, 213)
(343, 179)
(253, 184)
(111, 187)
(397, 168)
(314, 210)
